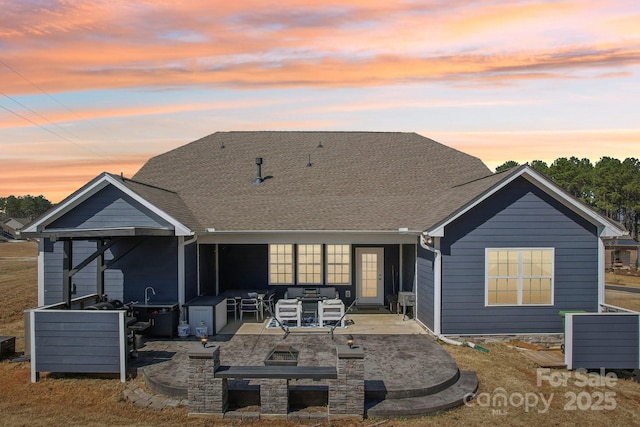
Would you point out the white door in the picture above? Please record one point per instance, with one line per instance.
(370, 275)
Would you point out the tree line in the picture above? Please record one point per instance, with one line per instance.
(610, 186)
(24, 206)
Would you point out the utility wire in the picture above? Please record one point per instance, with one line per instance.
(37, 114)
(41, 116)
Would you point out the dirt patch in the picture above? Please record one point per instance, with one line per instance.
(504, 371)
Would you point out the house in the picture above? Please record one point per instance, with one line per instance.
(621, 253)
(368, 213)
(10, 226)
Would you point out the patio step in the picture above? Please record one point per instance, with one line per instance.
(448, 398)
(377, 390)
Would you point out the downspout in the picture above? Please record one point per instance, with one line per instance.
(437, 297)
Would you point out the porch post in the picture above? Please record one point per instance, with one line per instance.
(100, 269)
(67, 265)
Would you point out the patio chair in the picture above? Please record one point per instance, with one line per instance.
(330, 310)
(289, 310)
(270, 301)
(250, 305)
(232, 306)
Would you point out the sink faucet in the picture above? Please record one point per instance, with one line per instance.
(146, 294)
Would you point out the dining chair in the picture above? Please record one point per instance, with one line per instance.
(232, 306)
(270, 301)
(250, 305)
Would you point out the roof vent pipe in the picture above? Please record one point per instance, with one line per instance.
(259, 177)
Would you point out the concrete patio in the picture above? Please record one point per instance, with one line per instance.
(407, 373)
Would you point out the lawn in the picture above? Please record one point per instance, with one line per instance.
(533, 397)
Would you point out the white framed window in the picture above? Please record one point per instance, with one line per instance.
(519, 276)
(281, 264)
(309, 264)
(338, 264)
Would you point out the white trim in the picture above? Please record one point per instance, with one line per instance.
(123, 346)
(322, 279)
(520, 277)
(293, 263)
(568, 340)
(74, 201)
(102, 182)
(379, 299)
(601, 274)
(32, 343)
(606, 227)
(41, 272)
(307, 237)
(437, 288)
(326, 265)
(181, 271)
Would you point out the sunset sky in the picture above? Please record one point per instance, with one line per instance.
(93, 86)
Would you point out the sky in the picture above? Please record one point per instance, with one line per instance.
(94, 86)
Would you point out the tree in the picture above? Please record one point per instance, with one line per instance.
(574, 175)
(24, 206)
(540, 166)
(507, 165)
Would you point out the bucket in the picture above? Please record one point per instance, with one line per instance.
(201, 330)
(184, 330)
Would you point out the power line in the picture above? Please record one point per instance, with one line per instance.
(41, 116)
(37, 114)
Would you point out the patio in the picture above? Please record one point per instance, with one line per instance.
(407, 373)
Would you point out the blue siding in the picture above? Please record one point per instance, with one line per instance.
(77, 341)
(109, 208)
(151, 261)
(606, 341)
(425, 288)
(520, 215)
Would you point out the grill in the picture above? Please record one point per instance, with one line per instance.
(282, 355)
(406, 299)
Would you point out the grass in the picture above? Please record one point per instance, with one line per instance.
(88, 401)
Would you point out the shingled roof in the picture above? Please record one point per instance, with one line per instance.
(373, 181)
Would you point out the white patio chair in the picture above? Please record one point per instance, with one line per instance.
(250, 305)
(289, 310)
(330, 310)
(232, 306)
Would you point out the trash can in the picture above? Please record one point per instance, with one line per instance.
(562, 313)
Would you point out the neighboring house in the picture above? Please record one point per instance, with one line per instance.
(10, 227)
(368, 213)
(621, 252)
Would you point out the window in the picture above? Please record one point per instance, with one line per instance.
(310, 264)
(519, 276)
(281, 264)
(307, 264)
(338, 264)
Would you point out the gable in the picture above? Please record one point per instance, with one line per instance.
(521, 214)
(484, 189)
(109, 208)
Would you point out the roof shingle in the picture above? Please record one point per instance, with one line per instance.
(373, 181)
